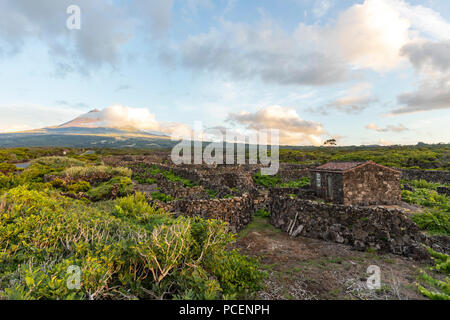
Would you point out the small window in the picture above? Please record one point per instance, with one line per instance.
(318, 180)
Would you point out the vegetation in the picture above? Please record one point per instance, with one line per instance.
(145, 174)
(161, 197)
(212, 193)
(116, 246)
(436, 217)
(303, 182)
(275, 181)
(412, 157)
(266, 181)
(436, 289)
(262, 213)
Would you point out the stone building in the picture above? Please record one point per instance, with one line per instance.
(356, 183)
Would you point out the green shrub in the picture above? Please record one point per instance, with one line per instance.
(161, 197)
(263, 213)
(434, 221)
(136, 207)
(266, 181)
(212, 193)
(436, 289)
(303, 182)
(7, 168)
(170, 176)
(80, 186)
(5, 181)
(237, 274)
(95, 173)
(123, 253)
(105, 190)
(58, 162)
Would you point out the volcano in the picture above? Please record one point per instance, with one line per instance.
(92, 129)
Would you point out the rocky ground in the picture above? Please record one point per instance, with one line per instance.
(302, 268)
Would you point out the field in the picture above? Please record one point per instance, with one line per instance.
(74, 226)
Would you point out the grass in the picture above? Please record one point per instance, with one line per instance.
(260, 225)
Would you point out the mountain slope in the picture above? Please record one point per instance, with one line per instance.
(88, 130)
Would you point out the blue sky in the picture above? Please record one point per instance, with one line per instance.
(364, 72)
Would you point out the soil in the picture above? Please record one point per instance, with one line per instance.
(305, 269)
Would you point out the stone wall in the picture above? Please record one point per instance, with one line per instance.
(372, 185)
(287, 175)
(386, 230)
(238, 211)
(428, 175)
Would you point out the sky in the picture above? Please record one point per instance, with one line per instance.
(363, 72)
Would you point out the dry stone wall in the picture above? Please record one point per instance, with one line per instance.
(428, 175)
(386, 230)
(238, 211)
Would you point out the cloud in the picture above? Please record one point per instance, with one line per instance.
(154, 15)
(124, 117)
(292, 128)
(33, 116)
(431, 59)
(389, 128)
(106, 26)
(267, 52)
(367, 36)
(122, 88)
(384, 142)
(321, 7)
(353, 100)
(424, 55)
(15, 128)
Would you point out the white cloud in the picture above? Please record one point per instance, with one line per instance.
(33, 116)
(365, 36)
(353, 100)
(292, 128)
(389, 128)
(384, 142)
(321, 7)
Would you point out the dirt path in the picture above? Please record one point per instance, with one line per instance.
(303, 268)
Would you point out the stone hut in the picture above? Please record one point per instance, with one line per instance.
(356, 183)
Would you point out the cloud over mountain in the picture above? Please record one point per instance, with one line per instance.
(292, 128)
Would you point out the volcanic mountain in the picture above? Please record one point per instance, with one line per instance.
(92, 129)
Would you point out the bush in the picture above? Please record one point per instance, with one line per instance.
(434, 221)
(116, 187)
(120, 254)
(58, 162)
(263, 213)
(303, 182)
(437, 289)
(170, 176)
(7, 168)
(266, 181)
(95, 173)
(136, 207)
(161, 197)
(80, 186)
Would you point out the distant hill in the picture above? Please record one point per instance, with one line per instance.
(87, 130)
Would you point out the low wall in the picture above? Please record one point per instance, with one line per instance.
(237, 211)
(385, 230)
(428, 175)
